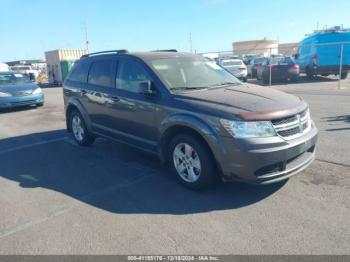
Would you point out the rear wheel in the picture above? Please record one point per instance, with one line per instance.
(192, 162)
(310, 75)
(80, 133)
(265, 80)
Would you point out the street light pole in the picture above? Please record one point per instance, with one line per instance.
(340, 65)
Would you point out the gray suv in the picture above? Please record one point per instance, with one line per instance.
(198, 118)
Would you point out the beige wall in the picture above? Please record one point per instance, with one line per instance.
(255, 47)
(288, 48)
(53, 59)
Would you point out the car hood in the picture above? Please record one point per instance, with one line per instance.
(13, 89)
(247, 102)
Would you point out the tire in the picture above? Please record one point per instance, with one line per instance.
(254, 74)
(244, 80)
(40, 104)
(265, 80)
(309, 74)
(295, 79)
(344, 75)
(195, 159)
(80, 133)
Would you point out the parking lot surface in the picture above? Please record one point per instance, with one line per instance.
(58, 198)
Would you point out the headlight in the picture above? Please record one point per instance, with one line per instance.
(37, 91)
(242, 129)
(4, 94)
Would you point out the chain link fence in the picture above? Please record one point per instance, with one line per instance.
(306, 63)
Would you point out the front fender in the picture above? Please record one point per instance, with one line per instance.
(207, 132)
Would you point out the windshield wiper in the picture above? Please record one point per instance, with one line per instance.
(188, 87)
(226, 84)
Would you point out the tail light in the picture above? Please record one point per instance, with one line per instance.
(314, 58)
(242, 68)
(295, 67)
(256, 65)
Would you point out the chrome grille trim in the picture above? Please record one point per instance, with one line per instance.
(293, 127)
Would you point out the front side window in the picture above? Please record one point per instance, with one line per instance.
(181, 73)
(101, 73)
(130, 74)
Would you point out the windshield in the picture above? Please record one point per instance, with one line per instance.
(192, 73)
(8, 79)
(20, 68)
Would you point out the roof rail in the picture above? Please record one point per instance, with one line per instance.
(166, 50)
(121, 51)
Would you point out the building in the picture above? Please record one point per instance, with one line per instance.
(288, 49)
(263, 47)
(59, 62)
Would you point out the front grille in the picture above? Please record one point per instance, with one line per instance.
(22, 93)
(23, 103)
(293, 126)
(283, 121)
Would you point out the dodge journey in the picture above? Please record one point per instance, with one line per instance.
(194, 115)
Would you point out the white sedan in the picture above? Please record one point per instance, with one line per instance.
(236, 67)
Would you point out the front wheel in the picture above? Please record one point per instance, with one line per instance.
(78, 127)
(192, 162)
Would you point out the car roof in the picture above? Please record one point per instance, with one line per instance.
(146, 56)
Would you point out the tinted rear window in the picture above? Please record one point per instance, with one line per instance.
(232, 63)
(80, 72)
(101, 73)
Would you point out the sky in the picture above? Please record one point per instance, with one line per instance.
(29, 28)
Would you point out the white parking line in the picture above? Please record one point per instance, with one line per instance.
(16, 148)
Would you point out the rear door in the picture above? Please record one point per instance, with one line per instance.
(100, 89)
(128, 115)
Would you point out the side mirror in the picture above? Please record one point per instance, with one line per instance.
(145, 88)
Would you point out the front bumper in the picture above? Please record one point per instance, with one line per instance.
(266, 160)
(17, 101)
